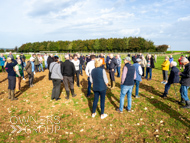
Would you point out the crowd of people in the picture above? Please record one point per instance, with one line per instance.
(95, 68)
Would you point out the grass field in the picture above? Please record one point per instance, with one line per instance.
(36, 118)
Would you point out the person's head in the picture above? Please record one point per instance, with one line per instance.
(19, 61)
(170, 56)
(166, 58)
(101, 54)
(111, 56)
(67, 57)
(1, 55)
(71, 57)
(181, 55)
(98, 62)
(149, 56)
(92, 57)
(21, 53)
(184, 61)
(51, 55)
(10, 53)
(17, 56)
(46, 54)
(75, 57)
(78, 55)
(127, 60)
(173, 64)
(140, 54)
(9, 60)
(138, 60)
(56, 59)
(34, 55)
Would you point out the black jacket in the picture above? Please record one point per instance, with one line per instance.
(81, 59)
(151, 62)
(185, 76)
(189, 58)
(67, 68)
(174, 77)
(49, 61)
(113, 64)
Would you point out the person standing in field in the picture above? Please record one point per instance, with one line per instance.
(173, 78)
(56, 76)
(165, 68)
(99, 80)
(76, 63)
(112, 67)
(150, 65)
(19, 74)
(103, 60)
(2, 62)
(138, 79)
(9, 66)
(40, 63)
(49, 61)
(185, 82)
(23, 58)
(118, 65)
(143, 65)
(127, 82)
(107, 62)
(68, 72)
(171, 60)
(155, 58)
(36, 62)
(30, 69)
(45, 60)
(180, 64)
(89, 67)
(10, 55)
(81, 59)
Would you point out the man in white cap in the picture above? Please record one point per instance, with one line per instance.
(30, 70)
(127, 82)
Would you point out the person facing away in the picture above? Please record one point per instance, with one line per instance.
(180, 63)
(165, 68)
(45, 60)
(49, 61)
(99, 80)
(118, 59)
(150, 65)
(173, 78)
(19, 74)
(143, 65)
(30, 69)
(68, 72)
(2, 62)
(56, 76)
(89, 67)
(76, 63)
(185, 82)
(9, 67)
(127, 82)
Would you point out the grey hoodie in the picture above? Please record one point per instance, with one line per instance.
(55, 69)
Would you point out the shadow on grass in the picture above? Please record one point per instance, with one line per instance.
(111, 96)
(26, 87)
(3, 80)
(167, 109)
(90, 99)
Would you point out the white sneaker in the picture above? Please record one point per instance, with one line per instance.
(162, 82)
(165, 82)
(104, 116)
(93, 115)
(24, 79)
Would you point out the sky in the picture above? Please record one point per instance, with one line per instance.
(161, 21)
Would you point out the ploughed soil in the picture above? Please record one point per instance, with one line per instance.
(36, 118)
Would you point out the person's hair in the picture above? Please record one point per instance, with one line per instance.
(98, 62)
(167, 57)
(92, 57)
(8, 61)
(75, 55)
(66, 56)
(174, 63)
(55, 59)
(18, 60)
(184, 60)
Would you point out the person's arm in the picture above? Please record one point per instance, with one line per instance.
(86, 70)
(59, 72)
(14, 63)
(105, 77)
(124, 74)
(91, 78)
(140, 70)
(186, 75)
(135, 75)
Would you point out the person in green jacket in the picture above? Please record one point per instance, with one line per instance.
(36, 63)
(19, 74)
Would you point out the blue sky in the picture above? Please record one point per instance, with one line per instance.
(161, 21)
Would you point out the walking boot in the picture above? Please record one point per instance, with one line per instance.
(164, 95)
(9, 92)
(13, 95)
(187, 106)
(72, 92)
(67, 92)
(113, 84)
(182, 101)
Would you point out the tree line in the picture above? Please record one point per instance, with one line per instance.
(130, 44)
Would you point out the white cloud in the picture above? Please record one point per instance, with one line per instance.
(187, 18)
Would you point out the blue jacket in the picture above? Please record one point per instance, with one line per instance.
(10, 68)
(2, 63)
(98, 80)
(173, 77)
(138, 76)
(171, 59)
(107, 59)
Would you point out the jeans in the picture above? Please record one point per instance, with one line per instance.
(184, 92)
(80, 68)
(167, 87)
(77, 75)
(137, 87)
(102, 95)
(46, 65)
(56, 88)
(107, 66)
(142, 71)
(118, 71)
(89, 87)
(148, 70)
(125, 89)
(41, 66)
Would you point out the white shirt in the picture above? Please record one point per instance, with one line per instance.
(140, 70)
(89, 67)
(76, 64)
(45, 58)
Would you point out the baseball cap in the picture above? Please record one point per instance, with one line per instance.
(128, 59)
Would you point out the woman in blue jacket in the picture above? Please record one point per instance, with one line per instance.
(9, 66)
(2, 62)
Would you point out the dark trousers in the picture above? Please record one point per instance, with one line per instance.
(56, 88)
(142, 71)
(31, 78)
(102, 95)
(80, 69)
(118, 71)
(89, 87)
(3, 68)
(167, 87)
(107, 66)
(12, 82)
(165, 75)
(36, 68)
(112, 78)
(148, 71)
(68, 80)
(77, 75)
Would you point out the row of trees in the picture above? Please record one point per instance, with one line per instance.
(130, 44)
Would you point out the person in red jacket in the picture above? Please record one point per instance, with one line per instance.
(179, 60)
